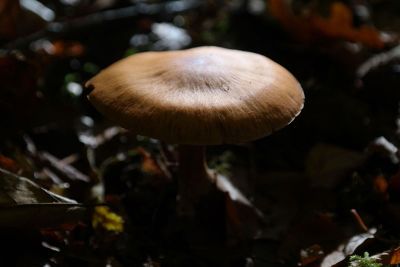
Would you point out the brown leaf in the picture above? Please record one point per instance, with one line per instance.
(395, 256)
(297, 26)
(149, 165)
(338, 25)
(25, 204)
(311, 254)
(8, 164)
(380, 184)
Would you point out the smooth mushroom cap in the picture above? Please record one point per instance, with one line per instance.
(204, 95)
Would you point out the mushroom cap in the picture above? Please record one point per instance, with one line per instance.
(199, 96)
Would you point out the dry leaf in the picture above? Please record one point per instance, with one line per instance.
(311, 254)
(8, 164)
(149, 165)
(24, 204)
(105, 218)
(338, 25)
(395, 256)
(348, 248)
(380, 184)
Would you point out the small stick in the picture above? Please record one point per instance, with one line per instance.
(359, 220)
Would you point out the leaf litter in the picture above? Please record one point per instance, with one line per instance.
(286, 201)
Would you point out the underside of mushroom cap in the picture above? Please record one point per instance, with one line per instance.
(204, 96)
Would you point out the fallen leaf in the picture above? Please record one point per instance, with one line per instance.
(380, 184)
(105, 218)
(149, 165)
(8, 164)
(338, 25)
(311, 254)
(25, 204)
(337, 256)
(395, 256)
(389, 257)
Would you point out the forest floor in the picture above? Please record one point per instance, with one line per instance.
(77, 190)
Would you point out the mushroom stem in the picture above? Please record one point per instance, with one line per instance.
(194, 177)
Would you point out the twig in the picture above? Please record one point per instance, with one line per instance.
(70, 159)
(377, 61)
(81, 23)
(65, 169)
(54, 177)
(359, 220)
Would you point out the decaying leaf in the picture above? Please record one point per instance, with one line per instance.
(149, 165)
(338, 25)
(25, 204)
(8, 164)
(347, 248)
(380, 184)
(311, 254)
(105, 218)
(394, 256)
(387, 258)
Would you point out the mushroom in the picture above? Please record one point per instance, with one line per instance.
(197, 97)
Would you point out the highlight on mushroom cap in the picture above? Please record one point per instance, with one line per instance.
(204, 95)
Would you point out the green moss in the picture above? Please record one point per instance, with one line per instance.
(365, 261)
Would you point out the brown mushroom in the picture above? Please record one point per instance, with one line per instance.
(196, 97)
